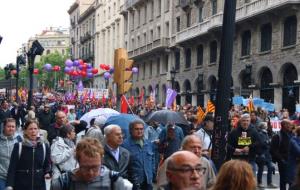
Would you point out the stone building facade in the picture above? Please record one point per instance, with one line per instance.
(266, 49)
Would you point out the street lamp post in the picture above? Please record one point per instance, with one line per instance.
(36, 49)
(173, 74)
(20, 61)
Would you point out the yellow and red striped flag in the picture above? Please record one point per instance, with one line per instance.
(250, 106)
(210, 107)
(200, 115)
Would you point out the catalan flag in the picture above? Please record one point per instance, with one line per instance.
(200, 114)
(210, 107)
(250, 107)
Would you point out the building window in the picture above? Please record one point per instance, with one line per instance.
(158, 66)
(166, 63)
(177, 60)
(290, 31)
(200, 14)
(150, 69)
(151, 10)
(188, 57)
(158, 7)
(138, 42)
(213, 51)
(177, 24)
(167, 5)
(266, 37)
(214, 7)
(246, 43)
(158, 32)
(188, 19)
(138, 18)
(199, 55)
(145, 38)
(145, 14)
(167, 29)
(151, 36)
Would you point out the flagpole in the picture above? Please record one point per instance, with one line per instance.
(128, 104)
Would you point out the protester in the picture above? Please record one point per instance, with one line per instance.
(91, 174)
(4, 113)
(63, 151)
(184, 171)
(45, 117)
(205, 135)
(30, 161)
(71, 116)
(264, 157)
(235, 175)
(170, 139)
(279, 150)
(141, 165)
(95, 129)
(243, 142)
(7, 140)
(53, 129)
(255, 120)
(293, 156)
(115, 157)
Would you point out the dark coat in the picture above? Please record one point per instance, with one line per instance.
(293, 158)
(4, 115)
(111, 163)
(45, 119)
(53, 132)
(279, 147)
(28, 171)
(264, 154)
(233, 143)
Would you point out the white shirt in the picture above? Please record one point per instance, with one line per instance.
(115, 152)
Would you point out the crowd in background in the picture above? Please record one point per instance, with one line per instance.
(43, 142)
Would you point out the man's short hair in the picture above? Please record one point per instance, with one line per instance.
(187, 139)
(8, 120)
(108, 129)
(90, 147)
(245, 115)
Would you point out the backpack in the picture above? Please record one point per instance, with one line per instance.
(44, 150)
(65, 179)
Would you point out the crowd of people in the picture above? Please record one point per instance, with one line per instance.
(51, 142)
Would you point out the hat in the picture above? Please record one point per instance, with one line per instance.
(209, 118)
(100, 121)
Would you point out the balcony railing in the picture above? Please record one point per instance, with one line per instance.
(158, 43)
(247, 10)
(130, 3)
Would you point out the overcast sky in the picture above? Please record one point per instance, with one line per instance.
(22, 19)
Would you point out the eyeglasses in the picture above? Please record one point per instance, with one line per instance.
(190, 170)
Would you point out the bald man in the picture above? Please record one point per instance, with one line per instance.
(184, 171)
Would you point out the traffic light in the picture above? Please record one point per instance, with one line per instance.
(122, 70)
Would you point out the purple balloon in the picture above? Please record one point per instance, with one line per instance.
(67, 69)
(69, 63)
(89, 66)
(107, 75)
(80, 85)
(111, 70)
(89, 75)
(48, 67)
(76, 63)
(135, 69)
(89, 70)
(80, 67)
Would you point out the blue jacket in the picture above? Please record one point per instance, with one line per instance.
(141, 164)
(293, 158)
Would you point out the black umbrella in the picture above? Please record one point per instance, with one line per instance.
(165, 116)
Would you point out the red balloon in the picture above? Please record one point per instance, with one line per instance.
(83, 73)
(80, 61)
(35, 71)
(106, 67)
(13, 72)
(101, 66)
(94, 71)
(84, 66)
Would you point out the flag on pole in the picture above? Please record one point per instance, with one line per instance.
(131, 101)
(141, 97)
(200, 114)
(210, 107)
(250, 106)
(171, 95)
(124, 105)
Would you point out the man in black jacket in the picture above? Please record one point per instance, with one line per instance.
(243, 142)
(45, 117)
(115, 157)
(279, 150)
(4, 112)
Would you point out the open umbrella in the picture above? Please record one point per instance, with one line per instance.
(167, 116)
(123, 120)
(105, 112)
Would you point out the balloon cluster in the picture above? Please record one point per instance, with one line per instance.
(110, 70)
(79, 69)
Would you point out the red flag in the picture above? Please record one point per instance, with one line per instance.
(141, 97)
(124, 105)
